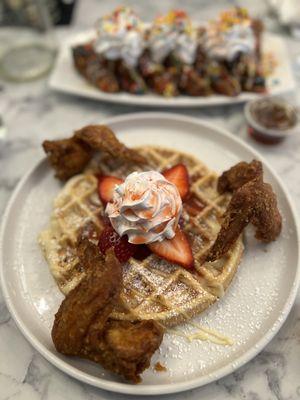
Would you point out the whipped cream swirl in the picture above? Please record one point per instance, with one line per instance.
(230, 35)
(227, 45)
(146, 207)
(121, 35)
(173, 33)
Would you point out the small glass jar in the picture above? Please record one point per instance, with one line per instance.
(271, 119)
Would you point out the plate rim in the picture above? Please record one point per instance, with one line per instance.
(180, 101)
(168, 388)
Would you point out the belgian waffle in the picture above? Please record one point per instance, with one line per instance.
(153, 288)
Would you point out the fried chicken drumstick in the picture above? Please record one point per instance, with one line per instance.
(70, 156)
(252, 201)
(82, 326)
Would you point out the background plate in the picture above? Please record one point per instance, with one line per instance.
(253, 309)
(66, 79)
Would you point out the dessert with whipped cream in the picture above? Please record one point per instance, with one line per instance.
(120, 36)
(146, 208)
(174, 55)
(230, 36)
(174, 34)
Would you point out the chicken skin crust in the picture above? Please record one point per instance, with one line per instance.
(124, 347)
(70, 156)
(252, 202)
(101, 138)
(82, 326)
(92, 300)
(238, 175)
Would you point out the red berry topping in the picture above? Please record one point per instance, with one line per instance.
(179, 176)
(122, 248)
(177, 250)
(106, 186)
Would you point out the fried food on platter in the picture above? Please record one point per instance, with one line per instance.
(70, 156)
(253, 202)
(82, 327)
(238, 175)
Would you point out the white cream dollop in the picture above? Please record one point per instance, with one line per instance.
(227, 45)
(121, 35)
(146, 208)
(173, 33)
(230, 35)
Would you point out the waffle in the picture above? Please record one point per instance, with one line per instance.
(153, 288)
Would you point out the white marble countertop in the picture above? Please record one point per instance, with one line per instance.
(32, 113)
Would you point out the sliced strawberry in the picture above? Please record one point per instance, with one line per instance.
(107, 239)
(176, 250)
(106, 186)
(122, 248)
(179, 176)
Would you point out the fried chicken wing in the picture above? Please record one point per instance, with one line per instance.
(238, 175)
(193, 84)
(266, 218)
(102, 138)
(91, 300)
(253, 202)
(125, 347)
(82, 326)
(70, 156)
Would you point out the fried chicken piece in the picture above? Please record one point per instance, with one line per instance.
(70, 156)
(238, 175)
(130, 79)
(82, 56)
(91, 300)
(101, 76)
(95, 68)
(253, 202)
(125, 347)
(102, 138)
(227, 85)
(82, 327)
(194, 84)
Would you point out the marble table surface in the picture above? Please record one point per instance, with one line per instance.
(33, 113)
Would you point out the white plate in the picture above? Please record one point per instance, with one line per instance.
(251, 312)
(65, 78)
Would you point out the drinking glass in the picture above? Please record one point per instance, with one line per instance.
(27, 43)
